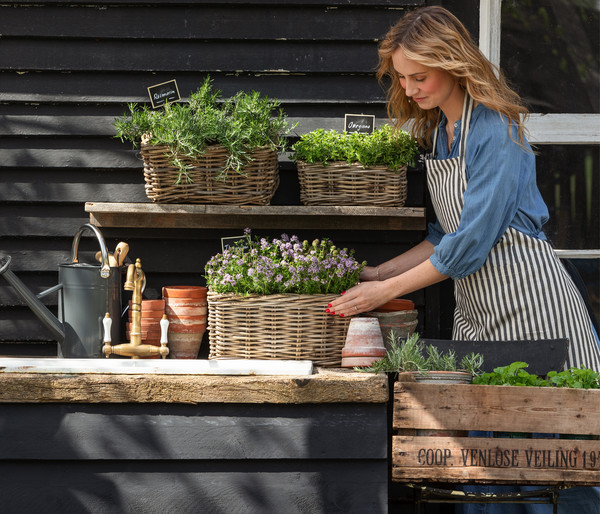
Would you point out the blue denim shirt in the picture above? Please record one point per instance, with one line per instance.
(501, 192)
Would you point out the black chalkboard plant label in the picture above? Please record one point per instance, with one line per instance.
(363, 123)
(162, 93)
(234, 241)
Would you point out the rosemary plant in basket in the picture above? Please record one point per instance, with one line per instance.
(385, 146)
(242, 123)
(285, 265)
(411, 355)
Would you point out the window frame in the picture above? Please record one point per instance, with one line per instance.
(544, 129)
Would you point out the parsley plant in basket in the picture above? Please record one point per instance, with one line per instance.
(284, 265)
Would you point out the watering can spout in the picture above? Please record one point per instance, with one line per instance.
(34, 303)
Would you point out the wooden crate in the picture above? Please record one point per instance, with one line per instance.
(499, 460)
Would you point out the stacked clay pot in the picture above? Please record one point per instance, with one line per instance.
(398, 316)
(364, 343)
(186, 310)
(152, 313)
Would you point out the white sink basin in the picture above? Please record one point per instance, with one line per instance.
(156, 366)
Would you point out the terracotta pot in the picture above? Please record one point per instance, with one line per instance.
(151, 305)
(183, 308)
(364, 343)
(186, 309)
(398, 304)
(185, 343)
(184, 292)
(146, 328)
(403, 323)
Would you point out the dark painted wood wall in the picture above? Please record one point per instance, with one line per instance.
(68, 69)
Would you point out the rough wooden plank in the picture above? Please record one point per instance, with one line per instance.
(373, 3)
(28, 125)
(326, 386)
(75, 158)
(295, 91)
(499, 476)
(580, 129)
(150, 215)
(574, 128)
(541, 460)
(198, 21)
(249, 487)
(499, 408)
(159, 432)
(110, 55)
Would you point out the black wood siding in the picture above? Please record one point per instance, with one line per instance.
(208, 458)
(67, 70)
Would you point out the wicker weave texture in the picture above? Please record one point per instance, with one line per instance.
(282, 326)
(256, 186)
(340, 183)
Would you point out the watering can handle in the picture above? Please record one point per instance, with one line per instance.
(105, 269)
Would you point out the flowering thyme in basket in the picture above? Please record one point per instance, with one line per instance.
(285, 265)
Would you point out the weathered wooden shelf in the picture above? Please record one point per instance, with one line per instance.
(151, 215)
(326, 385)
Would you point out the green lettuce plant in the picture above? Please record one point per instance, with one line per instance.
(514, 374)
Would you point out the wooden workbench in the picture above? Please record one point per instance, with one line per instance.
(168, 443)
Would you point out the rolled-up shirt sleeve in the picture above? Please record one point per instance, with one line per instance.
(494, 164)
(435, 232)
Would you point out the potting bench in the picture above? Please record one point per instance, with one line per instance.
(194, 443)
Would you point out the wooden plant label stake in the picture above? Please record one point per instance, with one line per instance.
(162, 93)
(364, 123)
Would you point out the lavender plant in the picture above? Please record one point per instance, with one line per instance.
(284, 265)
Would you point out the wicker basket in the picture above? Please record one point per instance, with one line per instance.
(340, 183)
(256, 186)
(281, 326)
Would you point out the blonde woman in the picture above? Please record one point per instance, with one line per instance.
(488, 236)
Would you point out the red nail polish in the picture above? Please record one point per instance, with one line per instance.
(326, 310)
(341, 315)
(332, 312)
(328, 305)
(343, 292)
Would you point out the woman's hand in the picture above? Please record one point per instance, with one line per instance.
(363, 297)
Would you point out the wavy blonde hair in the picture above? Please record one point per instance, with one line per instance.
(434, 37)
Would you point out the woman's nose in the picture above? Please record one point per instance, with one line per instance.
(411, 89)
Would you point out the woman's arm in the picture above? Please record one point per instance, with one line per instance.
(404, 274)
(399, 264)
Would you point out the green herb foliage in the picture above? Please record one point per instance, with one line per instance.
(284, 265)
(412, 355)
(385, 146)
(514, 374)
(242, 124)
(580, 378)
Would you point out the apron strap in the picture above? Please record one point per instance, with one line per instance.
(466, 121)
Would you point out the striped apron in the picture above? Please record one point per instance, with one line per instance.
(522, 291)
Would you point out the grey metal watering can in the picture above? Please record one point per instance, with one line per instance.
(86, 292)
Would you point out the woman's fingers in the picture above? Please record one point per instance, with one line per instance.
(361, 298)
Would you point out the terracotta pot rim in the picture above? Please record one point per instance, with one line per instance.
(397, 304)
(184, 292)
